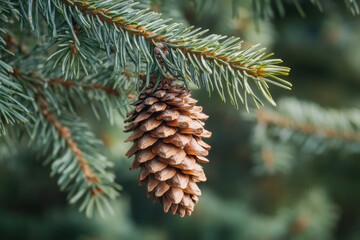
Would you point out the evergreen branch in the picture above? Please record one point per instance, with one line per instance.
(137, 28)
(101, 92)
(265, 8)
(8, 10)
(68, 84)
(202, 5)
(353, 6)
(73, 151)
(95, 91)
(214, 62)
(271, 156)
(84, 86)
(311, 216)
(344, 128)
(314, 216)
(65, 133)
(173, 9)
(67, 143)
(297, 129)
(73, 57)
(12, 110)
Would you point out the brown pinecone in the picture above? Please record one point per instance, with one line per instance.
(167, 134)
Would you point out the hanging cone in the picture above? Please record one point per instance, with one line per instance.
(167, 131)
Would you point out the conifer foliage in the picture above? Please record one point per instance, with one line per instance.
(71, 53)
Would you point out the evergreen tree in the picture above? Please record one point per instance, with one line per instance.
(122, 60)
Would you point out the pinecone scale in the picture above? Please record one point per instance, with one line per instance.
(167, 130)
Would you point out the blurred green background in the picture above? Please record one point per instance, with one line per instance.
(318, 199)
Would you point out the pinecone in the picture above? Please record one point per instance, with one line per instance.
(167, 134)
